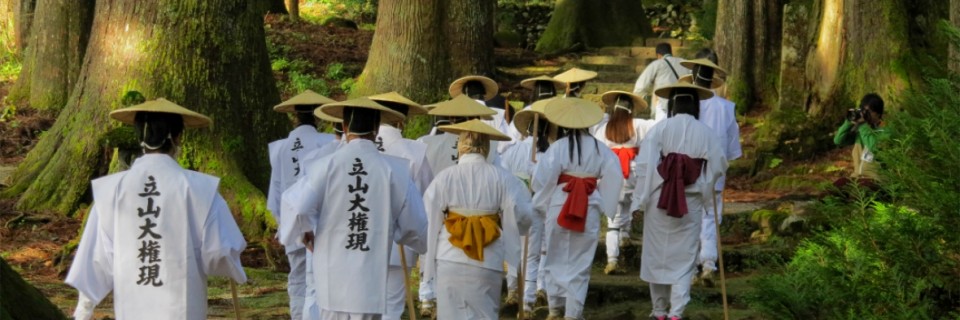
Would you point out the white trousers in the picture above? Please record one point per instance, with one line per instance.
(297, 282)
(396, 299)
(675, 296)
(336, 315)
(311, 311)
(467, 292)
(567, 268)
(425, 291)
(708, 233)
(619, 227)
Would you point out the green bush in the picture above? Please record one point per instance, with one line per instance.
(887, 261)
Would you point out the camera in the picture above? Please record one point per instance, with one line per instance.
(855, 114)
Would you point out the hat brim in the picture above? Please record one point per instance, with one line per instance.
(463, 107)
(609, 98)
(530, 83)
(475, 126)
(413, 108)
(717, 70)
(490, 87)
(664, 92)
(191, 119)
(306, 98)
(335, 110)
(575, 75)
(573, 113)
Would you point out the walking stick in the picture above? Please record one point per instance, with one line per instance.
(723, 279)
(406, 284)
(521, 276)
(236, 301)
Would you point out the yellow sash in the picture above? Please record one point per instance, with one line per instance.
(472, 233)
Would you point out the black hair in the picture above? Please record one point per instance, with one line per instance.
(709, 54)
(361, 120)
(874, 101)
(395, 106)
(664, 49)
(474, 89)
(702, 76)
(338, 128)
(576, 88)
(685, 101)
(304, 114)
(497, 102)
(157, 130)
(574, 143)
(543, 131)
(542, 90)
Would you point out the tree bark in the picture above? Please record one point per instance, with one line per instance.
(748, 37)
(293, 10)
(20, 300)
(615, 23)
(54, 53)
(420, 46)
(209, 56)
(954, 50)
(7, 35)
(22, 19)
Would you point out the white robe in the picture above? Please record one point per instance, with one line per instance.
(379, 205)
(286, 163)
(474, 187)
(670, 245)
(658, 74)
(193, 234)
(720, 115)
(566, 265)
(442, 151)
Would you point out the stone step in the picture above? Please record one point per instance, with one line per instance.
(611, 60)
(638, 52)
(736, 258)
(602, 68)
(593, 87)
(623, 76)
(653, 42)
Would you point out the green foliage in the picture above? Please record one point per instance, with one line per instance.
(887, 261)
(303, 81)
(335, 72)
(356, 10)
(132, 98)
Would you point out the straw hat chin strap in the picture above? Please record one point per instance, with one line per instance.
(145, 145)
(616, 105)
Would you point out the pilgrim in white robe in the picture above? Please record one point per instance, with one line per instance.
(659, 73)
(390, 141)
(286, 162)
(619, 226)
(720, 115)
(468, 288)
(566, 265)
(153, 235)
(365, 201)
(442, 151)
(670, 245)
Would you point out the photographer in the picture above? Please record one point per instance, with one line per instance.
(864, 129)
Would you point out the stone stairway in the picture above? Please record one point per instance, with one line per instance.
(619, 67)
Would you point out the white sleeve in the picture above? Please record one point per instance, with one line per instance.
(644, 85)
(544, 181)
(273, 194)
(222, 243)
(611, 183)
(434, 204)
(518, 203)
(646, 164)
(91, 272)
(733, 148)
(424, 175)
(411, 227)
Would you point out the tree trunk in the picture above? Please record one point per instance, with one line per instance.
(209, 56)
(747, 41)
(7, 35)
(54, 53)
(22, 19)
(954, 50)
(418, 48)
(293, 10)
(615, 23)
(277, 7)
(20, 300)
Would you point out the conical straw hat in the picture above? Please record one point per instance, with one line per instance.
(523, 119)
(191, 119)
(461, 106)
(489, 86)
(689, 64)
(664, 91)
(335, 109)
(305, 98)
(573, 113)
(575, 75)
(476, 126)
(609, 98)
(715, 83)
(529, 83)
(413, 108)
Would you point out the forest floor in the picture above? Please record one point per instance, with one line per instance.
(38, 244)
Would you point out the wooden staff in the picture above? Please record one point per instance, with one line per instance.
(536, 132)
(406, 284)
(521, 275)
(236, 301)
(723, 280)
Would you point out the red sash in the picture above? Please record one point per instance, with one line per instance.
(626, 155)
(678, 171)
(573, 215)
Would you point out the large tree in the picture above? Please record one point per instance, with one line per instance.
(748, 44)
(955, 21)
(20, 300)
(585, 22)
(51, 63)
(420, 46)
(209, 56)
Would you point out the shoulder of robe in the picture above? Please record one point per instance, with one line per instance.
(417, 148)
(397, 163)
(108, 182)
(203, 180)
